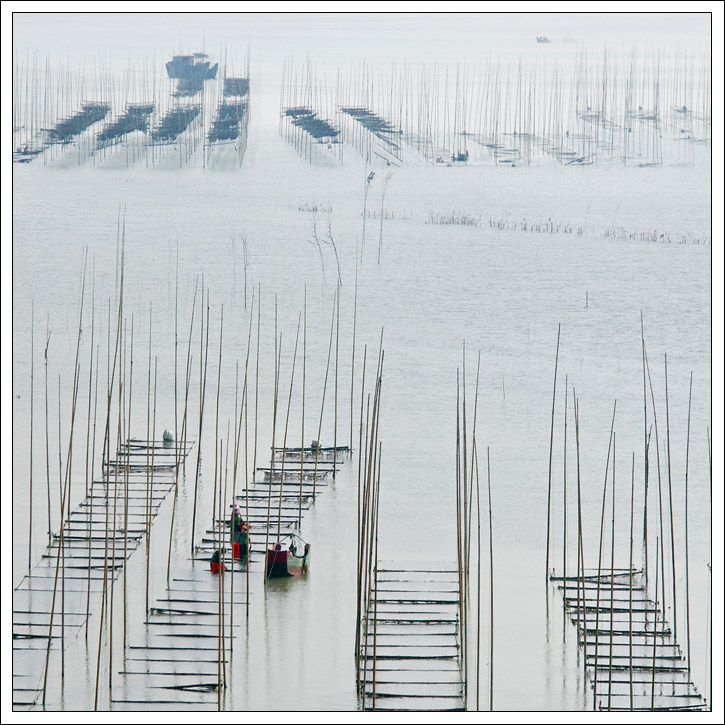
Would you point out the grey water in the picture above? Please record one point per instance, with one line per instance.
(502, 290)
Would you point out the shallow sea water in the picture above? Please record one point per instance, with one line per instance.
(502, 291)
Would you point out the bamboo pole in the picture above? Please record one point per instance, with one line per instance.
(478, 582)
(47, 427)
(601, 546)
(631, 566)
(672, 522)
(551, 454)
(286, 427)
(32, 398)
(148, 467)
(322, 406)
(654, 638)
(93, 451)
(361, 452)
(119, 424)
(337, 356)
(302, 442)
(277, 363)
(125, 501)
(462, 570)
(646, 446)
(217, 460)
(181, 440)
(375, 573)
(687, 548)
(490, 546)
(566, 414)
(106, 445)
(216, 517)
(659, 486)
(354, 338)
(580, 542)
(256, 380)
(611, 575)
(64, 500)
(89, 451)
(203, 350)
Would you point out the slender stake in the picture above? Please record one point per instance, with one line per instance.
(256, 381)
(580, 537)
(47, 428)
(654, 636)
(672, 521)
(646, 445)
(601, 547)
(32, 398)
(302, 443)
(490, 547)
(551, 454)
(202, 395)
(687, 549)
(611, 576)
(631, 574)
(322, 406)
(286, 427)
(566, 413)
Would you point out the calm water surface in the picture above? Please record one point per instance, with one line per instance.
(503, 291)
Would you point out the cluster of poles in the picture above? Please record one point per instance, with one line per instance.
(638, 109)
(468, 537)
(120, 475)
(663, 580)
(368, 507)
(91, 113)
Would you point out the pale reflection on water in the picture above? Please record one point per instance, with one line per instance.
(503, 291)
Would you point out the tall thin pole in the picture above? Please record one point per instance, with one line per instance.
(286, 427)
(32, 398)
(672, 522)
(322, 406)
(654, 634)
(687, 549)
(337, 356)
(631, 574)
(256, 380)
(302, 443)
(204, 350)
(490, 548)
(646, 446)
(551, 454)
(566, 413)
(611, 576)
(47, 427)
(478, 581)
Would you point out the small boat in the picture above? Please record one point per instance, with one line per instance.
(24, 154)
(192, 66)
(284, 562)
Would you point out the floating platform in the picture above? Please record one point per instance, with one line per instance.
(630, 654)
(410, 651)
(98, 536)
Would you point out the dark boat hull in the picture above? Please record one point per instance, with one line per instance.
(282, 563)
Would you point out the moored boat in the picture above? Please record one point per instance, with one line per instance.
(284, 562)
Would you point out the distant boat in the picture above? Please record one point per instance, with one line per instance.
(542, 39)
(284, 562)
(24, 154)
(191, 67)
